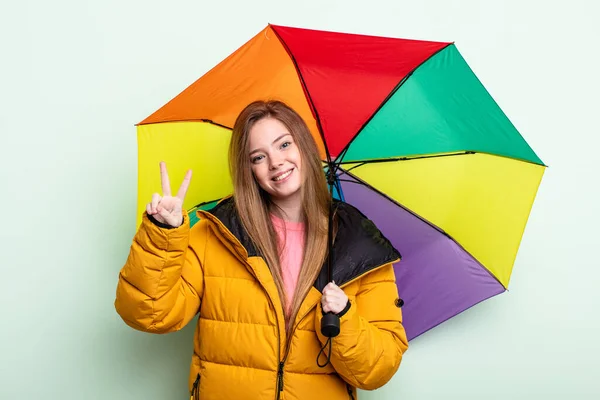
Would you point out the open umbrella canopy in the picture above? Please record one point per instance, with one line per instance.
(422, 148)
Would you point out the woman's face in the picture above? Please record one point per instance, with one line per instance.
(275, 160)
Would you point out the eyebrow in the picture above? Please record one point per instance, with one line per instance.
(274, 141)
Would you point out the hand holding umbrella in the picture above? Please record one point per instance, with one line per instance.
(334, 299)
(167, 209)
(333, 302)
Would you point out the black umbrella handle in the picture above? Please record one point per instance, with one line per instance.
(330, 325)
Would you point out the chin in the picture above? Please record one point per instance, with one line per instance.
(287, 194)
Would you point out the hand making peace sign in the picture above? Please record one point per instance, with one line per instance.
(168, 209)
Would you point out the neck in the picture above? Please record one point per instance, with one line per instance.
(291, 208)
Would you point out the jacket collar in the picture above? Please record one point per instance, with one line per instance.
(359, 246)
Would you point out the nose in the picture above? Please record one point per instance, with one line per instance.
(276, 162)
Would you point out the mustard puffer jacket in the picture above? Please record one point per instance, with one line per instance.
(240, 346)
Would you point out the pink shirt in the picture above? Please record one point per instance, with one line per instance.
(290, 236)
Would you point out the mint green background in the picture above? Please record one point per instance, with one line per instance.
(76, 75)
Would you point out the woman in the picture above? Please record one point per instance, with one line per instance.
(252, 268)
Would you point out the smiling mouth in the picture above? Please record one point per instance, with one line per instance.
(283, 176)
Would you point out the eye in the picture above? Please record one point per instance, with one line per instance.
(286, 144)
(257, 159)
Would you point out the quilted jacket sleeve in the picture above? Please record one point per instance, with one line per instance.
(160, 286)
(372, 340)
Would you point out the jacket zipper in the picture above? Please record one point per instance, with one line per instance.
(287, 352)
(280, 379)
(349, 388)
(195, 395)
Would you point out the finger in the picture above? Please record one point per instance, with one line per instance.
(164, 179)
(184, 185)
(335, 306)
(166, 215)
(155, 200)
(149, 208)
(333, 298)
(331, 288)
(334, 302)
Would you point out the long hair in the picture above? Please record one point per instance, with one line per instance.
(254, 204)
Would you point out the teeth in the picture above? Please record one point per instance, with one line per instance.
(283, 176)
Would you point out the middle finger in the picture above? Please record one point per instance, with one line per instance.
(164, 179)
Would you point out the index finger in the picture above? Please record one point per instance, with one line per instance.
(184, 185)
(164, 179)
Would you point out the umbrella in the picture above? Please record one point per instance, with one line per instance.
(416, 142)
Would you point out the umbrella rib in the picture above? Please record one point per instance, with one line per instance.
(408, 158)
(358, 180)
(389, 96)
(361, 182)
(204, 203)
(210, 121)
(215, 123)
(341, 157)
(382, 160)
(310, 100)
